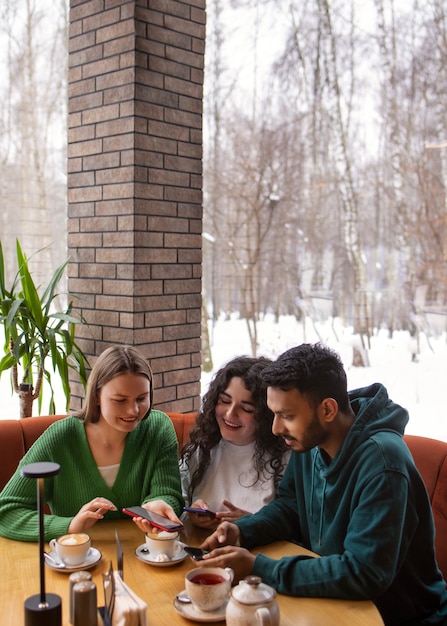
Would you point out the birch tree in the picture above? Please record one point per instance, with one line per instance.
(33, 121)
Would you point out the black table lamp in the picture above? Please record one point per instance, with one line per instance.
(44, 609)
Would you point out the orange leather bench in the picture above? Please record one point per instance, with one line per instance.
(430, 456)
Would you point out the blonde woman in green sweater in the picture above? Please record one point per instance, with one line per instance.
(114, 453)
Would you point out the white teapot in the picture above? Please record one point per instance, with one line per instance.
(252, 603)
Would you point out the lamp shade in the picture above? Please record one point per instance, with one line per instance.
(40, 470)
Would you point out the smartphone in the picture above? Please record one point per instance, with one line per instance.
(204, 512)
(163, 523)
(195, 553)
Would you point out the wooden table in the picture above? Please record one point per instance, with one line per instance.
(156, 585)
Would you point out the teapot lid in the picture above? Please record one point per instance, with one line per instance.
(251, 590)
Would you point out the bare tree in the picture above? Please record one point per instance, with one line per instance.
(359, 202)
(33, 118)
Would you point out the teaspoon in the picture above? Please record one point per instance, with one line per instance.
(183, 598)
(55, 563)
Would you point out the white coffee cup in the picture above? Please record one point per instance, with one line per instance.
(72, 548)
(208, 587)
(163, 546)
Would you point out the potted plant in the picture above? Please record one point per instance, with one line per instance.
(36, 335)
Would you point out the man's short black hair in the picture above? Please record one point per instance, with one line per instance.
(314, 369)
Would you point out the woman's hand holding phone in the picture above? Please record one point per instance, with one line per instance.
(160, 516)
(199, 511)
(201, 516)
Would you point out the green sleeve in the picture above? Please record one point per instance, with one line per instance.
(18, 500)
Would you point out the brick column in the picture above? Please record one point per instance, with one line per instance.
(135, 184)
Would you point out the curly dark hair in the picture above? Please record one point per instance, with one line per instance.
(206, 433)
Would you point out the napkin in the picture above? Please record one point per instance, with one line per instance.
(130, 610)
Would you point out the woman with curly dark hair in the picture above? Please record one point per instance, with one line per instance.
(232, 463)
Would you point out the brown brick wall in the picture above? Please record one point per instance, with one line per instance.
(135, 184)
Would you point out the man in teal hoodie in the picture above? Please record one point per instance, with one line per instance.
(351, 493)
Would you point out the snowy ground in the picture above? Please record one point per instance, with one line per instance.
(416, 385)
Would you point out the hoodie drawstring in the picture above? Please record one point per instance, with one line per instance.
(320, 528)
(312, 485)
(312, 493)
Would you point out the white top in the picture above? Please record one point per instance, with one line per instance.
(230, 476)
(109, 472)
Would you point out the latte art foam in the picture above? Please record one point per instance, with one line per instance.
(75, 539)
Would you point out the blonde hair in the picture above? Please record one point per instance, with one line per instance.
(112, 362)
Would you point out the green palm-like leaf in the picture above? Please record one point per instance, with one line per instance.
(12, 314)
(35, 334)
(31, 297)
(7, 362)
(50, 291)
(2, 274)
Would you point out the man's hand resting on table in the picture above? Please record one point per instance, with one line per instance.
(225, 548)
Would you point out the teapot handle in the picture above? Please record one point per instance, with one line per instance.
(263, 617)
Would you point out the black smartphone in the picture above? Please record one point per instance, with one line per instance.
(195, 553)
(204, 512)
(163, 523)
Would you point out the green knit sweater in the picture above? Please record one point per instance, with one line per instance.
(148, 471)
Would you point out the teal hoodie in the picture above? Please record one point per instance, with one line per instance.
(367, 514)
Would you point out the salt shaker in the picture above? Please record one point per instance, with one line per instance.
(76, 577)
(85, 609)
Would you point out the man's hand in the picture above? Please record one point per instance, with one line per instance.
(89, 514)
(239, 559)
(224, 535)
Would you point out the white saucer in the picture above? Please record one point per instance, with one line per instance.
(93, 557)
(142, 553)
(190, 612)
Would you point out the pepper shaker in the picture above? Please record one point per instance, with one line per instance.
(76, 577)
(85, 609)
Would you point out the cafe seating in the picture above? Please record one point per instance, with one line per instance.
(430, 456)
